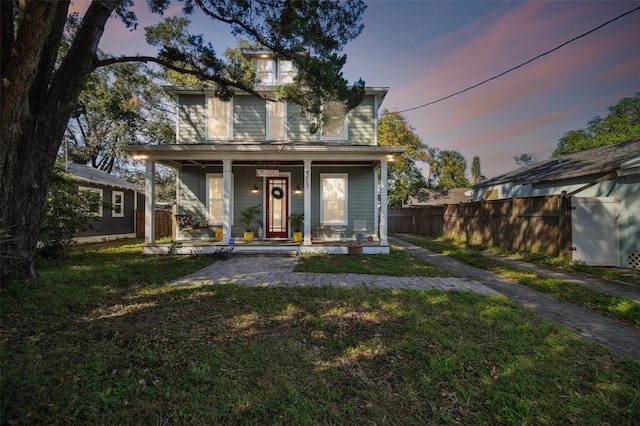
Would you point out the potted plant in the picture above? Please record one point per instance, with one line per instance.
(297, 223)
(247, 218)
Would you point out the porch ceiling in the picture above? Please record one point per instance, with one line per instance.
(177, 156)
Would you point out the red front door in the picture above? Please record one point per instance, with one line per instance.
(277, 197)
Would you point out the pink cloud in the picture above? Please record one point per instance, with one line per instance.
(513, 131)
(494, 50)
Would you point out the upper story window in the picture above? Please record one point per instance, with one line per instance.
(271, 72)
(335, 126)
(219, 118)
(286, 72)
(276, 120)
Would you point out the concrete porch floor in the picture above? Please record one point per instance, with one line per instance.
(283, 247)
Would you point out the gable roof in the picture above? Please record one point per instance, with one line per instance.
(623, 158)
(434, 196)
(84, 173)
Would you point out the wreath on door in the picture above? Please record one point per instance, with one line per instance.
(277, 192)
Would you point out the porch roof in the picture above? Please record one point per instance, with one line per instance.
(177, 156)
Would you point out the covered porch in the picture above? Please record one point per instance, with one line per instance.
(282, 179)
(270, 247)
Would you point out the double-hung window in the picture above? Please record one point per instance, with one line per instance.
(266, 69)
(215, 198)
(334, 126)
(271, 72)
(286, 72)
(219, 118)
(276, 120)
(95, 196)
(117, 204)
(333, 201)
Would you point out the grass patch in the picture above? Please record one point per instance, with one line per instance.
(615, 307)
(101, 339)
(398, 263)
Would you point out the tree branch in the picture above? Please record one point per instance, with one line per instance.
(201, 75)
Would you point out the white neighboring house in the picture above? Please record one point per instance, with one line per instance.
(604, 186)
(124, 197)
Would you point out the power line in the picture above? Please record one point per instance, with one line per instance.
(522, 64)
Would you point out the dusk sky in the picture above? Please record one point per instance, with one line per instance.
(426, 50)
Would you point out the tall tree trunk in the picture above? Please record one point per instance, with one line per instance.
(36, 105)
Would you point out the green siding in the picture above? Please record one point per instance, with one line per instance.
(249, 121)
(362, 128)
(298, 126)
(192, 119)
(192, 195)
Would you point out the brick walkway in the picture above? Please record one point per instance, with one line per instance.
(270, 271)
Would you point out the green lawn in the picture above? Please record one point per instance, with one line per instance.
(615, 307)
(101, 339)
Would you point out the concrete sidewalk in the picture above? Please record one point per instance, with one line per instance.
(269, 271)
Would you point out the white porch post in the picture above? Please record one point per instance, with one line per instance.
(383, 204)
(376, 206)
(307, 203)
(226, 183)
(150, 203)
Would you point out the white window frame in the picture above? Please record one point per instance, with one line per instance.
(345, 129)
(289, 74)
(98, 191)
(229, 118)
(323, 177)
(270, 118)
(208, 200)
(115, 204)
(272, 73)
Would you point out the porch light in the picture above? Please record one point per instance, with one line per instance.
(298, 190)
(255, 189)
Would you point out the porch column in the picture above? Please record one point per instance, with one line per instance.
(383, 204)
(150, 203)
(226, 183)
(376, 206)
(307, 203)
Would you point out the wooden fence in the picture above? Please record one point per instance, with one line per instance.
(533, 224)
(164, 223)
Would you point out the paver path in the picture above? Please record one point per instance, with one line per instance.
(269, 271)
(615, 288)
(620, 338)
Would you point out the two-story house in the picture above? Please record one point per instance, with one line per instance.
(248, 151)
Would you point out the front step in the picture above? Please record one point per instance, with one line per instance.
(272, 253)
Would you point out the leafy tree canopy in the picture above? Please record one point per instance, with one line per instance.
(525, 159)
(621, 124)
(476, 171)
(449, 168)
(404, 175)
(43, 73)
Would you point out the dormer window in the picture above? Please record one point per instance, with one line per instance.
(266, 69)
(271, 72)
(286, 72)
